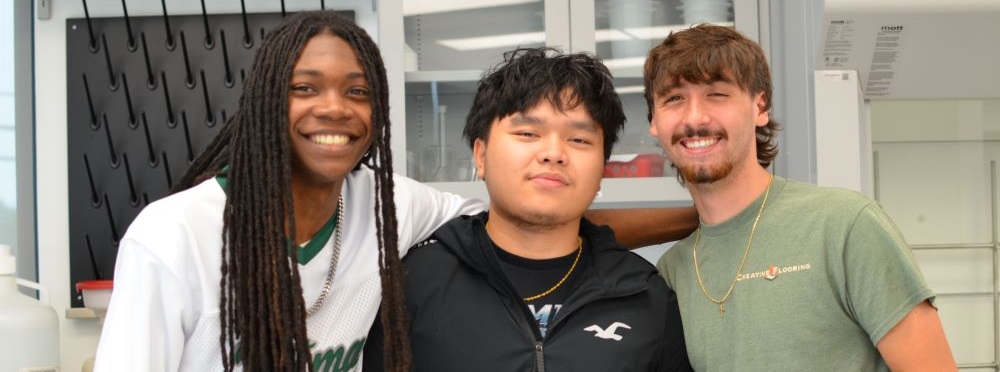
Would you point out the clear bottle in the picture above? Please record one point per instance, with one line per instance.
(30, 328)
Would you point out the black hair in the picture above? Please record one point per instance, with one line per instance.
(529, 75)
(261, 301)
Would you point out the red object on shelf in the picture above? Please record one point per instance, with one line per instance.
(94, 284)
(641, 165)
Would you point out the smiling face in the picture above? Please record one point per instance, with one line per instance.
(329, 112)
(542, 167)
(708, 130)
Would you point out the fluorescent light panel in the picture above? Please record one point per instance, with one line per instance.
(630, 89)
(417, 7)
(605, 35)
(494, 41)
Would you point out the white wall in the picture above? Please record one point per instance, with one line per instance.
(79, 336)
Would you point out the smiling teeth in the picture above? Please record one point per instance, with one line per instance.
(700, 144)
(330, 139)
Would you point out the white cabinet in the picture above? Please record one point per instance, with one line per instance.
(436, 51)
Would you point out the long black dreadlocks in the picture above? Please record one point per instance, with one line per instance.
(261, 301)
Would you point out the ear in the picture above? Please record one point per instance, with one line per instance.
(762, 116)
(653, 131)
(479, 156)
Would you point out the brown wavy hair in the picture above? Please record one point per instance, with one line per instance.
(706, 53)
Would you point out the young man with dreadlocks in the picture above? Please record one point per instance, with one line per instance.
(297, 163)
(283, 240)
(531, 285)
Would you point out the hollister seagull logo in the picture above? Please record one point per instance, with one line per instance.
(607, 333)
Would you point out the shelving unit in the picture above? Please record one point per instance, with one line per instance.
(446, 52)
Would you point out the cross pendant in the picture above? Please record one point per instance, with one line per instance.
(722, 309)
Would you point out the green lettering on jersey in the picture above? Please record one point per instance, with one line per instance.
(334, 359)
(337, 359)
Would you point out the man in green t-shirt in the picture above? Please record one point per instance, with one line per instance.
(781, 275)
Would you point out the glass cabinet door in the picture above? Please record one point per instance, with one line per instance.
(625, 30)
(448, 45)
(468, 35)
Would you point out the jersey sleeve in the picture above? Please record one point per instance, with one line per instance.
(421, 209)
(882, 278)
(143, 329)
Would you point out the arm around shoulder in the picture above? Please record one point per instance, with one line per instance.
(640, 227)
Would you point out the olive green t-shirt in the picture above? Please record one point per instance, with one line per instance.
(828, 274)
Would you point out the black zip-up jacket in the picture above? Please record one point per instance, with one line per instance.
(466, 315)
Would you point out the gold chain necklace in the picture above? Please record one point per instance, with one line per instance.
(746, 252)
(579, 251)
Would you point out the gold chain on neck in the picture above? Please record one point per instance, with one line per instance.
(746, 252)
(579, 251)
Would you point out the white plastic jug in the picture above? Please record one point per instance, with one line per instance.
(30, 328)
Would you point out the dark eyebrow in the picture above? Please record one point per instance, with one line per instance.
(354, 75)
(522, 119)
(586, 125)
(710, 81)
(306, 72)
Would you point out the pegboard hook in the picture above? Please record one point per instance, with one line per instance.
(133, 196)
(94, 201)
(189, 78)
(132, 123)
(166, 169)
(247, 37)
(93, 260)
(150, 78)
(187, 137)
(228, 79)
(166, 24)
(128, 28)
(149, 141)
(111, 144)
(90, 104)
(209, 42)
(209, 114)
(112, 80)
(171, 119)
(90, 29)
(111, 221)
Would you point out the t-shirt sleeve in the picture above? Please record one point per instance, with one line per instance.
(662, 266)
(143, 329)
(673, 350)
(421, 209)
(882, 278)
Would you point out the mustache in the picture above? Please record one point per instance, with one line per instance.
(689, 132)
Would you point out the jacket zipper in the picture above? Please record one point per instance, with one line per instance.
(539, 357)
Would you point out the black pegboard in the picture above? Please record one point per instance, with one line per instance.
(140, 106)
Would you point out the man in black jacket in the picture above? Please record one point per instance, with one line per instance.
(531, 285)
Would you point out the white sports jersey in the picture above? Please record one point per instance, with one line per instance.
(164, 310)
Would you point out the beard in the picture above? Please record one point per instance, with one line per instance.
(697, 173)
(702, 174)
(532, 220)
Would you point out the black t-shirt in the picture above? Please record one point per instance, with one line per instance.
(532, 277)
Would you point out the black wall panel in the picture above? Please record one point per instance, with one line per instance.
(140, 108)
